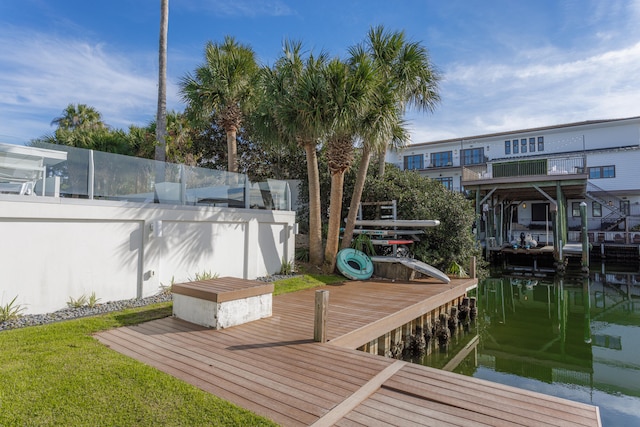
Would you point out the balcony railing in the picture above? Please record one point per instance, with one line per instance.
(575, 165)
(90, 174)
(597, 237)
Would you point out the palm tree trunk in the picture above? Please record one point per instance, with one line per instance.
(333, 235)
(356, 197)
(161, 118)
(315, 222)
(381, 163)
(161, 115)
(232, 150)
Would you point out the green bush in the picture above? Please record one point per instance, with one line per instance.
(11, 310)
(362, 243)
(302, 254)
(77, 303)
(286, 267)
(93, 300)
(205, 275)
(421, 198)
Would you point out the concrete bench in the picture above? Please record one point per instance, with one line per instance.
(222, 302)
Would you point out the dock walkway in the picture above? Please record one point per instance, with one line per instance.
(272, 366)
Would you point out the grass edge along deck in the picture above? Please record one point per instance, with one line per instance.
(273, 368)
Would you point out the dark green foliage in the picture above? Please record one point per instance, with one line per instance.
(259, 161)
(325, 190)
(100, 139)
(422, 198)
(362, 243)
(417, 197)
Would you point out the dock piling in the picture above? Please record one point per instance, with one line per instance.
(585, 238)
(320, 319)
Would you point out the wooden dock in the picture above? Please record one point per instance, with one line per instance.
(272, 366)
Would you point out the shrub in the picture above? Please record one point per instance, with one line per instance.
(77, 303)
(302, 254)
(286, 268)
(205, 275)
(422, 198)
(456, 270)
(11, 310)
(93, 300)
(166, 289)
(363, 243)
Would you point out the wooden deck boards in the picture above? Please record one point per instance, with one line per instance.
(272, 366)
(222, 289)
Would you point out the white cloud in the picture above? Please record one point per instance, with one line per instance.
(251, 8)
(503, 96)
(42, 74)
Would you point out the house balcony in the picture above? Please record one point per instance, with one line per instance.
(528, 175)
(427, 166)
(525, 168)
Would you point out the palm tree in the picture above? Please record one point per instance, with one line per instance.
(408, 79)
(179, 147)
(161, 117)
(295, 112)
(350, 89)
(381, 125)
(82, 126)
(81, 116)
(223, 86)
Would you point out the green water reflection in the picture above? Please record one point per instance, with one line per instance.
(571, 337)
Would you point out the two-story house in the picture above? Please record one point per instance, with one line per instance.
(534, 180)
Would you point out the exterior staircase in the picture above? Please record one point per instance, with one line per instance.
(609, 201)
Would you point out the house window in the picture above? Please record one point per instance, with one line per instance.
(439, 160)
(575, 209)
(624, 207)
(598, 172)
(539, 211)
(523, 145)
(596, 209)
(608, 171)
(472, 156)
(414, 162)
(507, 147)
(446, 181)
(541, 143)
(515, 146)
(532, 144)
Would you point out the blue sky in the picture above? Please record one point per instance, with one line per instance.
(506, 64)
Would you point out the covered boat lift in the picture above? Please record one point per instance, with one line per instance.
(500, 187)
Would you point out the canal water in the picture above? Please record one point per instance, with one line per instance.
(569, 336)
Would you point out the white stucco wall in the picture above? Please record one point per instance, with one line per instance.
(55, 249)
(220, 315)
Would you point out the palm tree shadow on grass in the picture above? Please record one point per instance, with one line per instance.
(130, 319)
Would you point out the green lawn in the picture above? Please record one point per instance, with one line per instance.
(58, 374)
(304, 282)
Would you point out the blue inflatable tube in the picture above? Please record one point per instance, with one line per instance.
(354, 264)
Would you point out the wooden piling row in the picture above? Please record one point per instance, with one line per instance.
(393, 343)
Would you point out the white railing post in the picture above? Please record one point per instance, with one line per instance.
(247, 192)
(288, 195)
(91, 176)
(183, 186)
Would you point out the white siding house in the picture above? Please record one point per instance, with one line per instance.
(522, 174)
